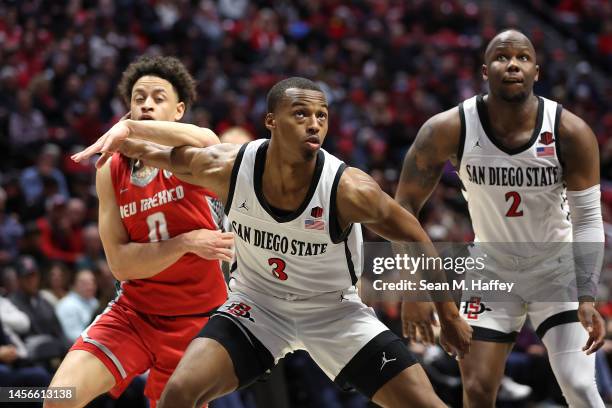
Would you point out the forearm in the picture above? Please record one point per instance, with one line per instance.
(171, 133)
(135, 260)
(588, 239)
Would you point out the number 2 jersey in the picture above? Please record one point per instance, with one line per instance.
(154, 206)
(514, 195)
(290, 255)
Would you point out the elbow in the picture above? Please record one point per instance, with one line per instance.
(119, 270)
(409, 206)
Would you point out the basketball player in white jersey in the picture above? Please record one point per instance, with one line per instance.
(295, 211)
(543, 154)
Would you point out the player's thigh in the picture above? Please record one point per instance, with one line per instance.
(206, 368)
(353, 347)
(409, 388)
(86, 373)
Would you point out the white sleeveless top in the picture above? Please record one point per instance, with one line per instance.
(294, 255)
(514, 195)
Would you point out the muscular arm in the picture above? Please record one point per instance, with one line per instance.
(210, 167)
(171, 133)
(130, 260)
(436, 142)
(361, 200)
(579, 152)
(157, 132)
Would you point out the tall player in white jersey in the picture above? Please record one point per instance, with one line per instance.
(295, 212)
(525, 164)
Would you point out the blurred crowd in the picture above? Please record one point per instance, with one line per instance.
(386, 66)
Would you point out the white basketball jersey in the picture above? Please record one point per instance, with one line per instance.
(290, 255)
(514, 195)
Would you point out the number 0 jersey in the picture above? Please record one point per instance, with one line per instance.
(296, 255)
(155, 205)
(514, 195)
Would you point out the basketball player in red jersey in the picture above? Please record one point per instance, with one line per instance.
(161, 240)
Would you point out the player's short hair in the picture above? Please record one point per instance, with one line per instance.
(168, 68)
(277, 92)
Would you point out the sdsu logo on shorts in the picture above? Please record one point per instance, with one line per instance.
(240, 310)
(474, 308)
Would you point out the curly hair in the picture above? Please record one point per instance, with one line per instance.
(168, 68)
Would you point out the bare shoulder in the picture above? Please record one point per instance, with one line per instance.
(573, 128)
(439, 137)
(360, 198)
(578, 151)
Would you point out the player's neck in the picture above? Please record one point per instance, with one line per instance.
(507, 116)
(288, 172)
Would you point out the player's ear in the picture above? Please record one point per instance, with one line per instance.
(180, 111)
(485, 72)
(537, 75)
(270, 122)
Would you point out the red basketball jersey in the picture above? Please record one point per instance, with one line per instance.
(155, 205)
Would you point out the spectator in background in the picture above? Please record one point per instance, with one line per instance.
(27, 126)
(45, 340)
(14, 323)
(11, 232)
(93, 252)
(236, 135)
(46, 165)
(60, 240)
(76, 311)
(58, 280)
(10, 283)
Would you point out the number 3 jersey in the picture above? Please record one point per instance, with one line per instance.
(290, 255)
(155, 205)
(514, 195)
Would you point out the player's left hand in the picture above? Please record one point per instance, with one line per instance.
(107, 144)
(418, 319)
(594, 325)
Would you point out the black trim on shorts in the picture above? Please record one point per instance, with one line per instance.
(556, 133)
(251, 359)
(335, 233)
(349, 263)
(485, 121)
(493, 336)
(569, 316)
(461, 136)
(365, 370)
(260, 163)
(234, 177)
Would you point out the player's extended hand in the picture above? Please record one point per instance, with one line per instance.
(210, 244)
(418, 319)
(594, 325)
(107, 144)
(455, 336)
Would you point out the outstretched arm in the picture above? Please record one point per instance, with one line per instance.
(132, 260)
(159, 132)
(209, 167)
(580, 157)
(361, 200)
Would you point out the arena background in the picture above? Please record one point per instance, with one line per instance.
(386, 67)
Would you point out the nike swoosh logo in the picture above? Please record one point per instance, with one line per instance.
(123, 190)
